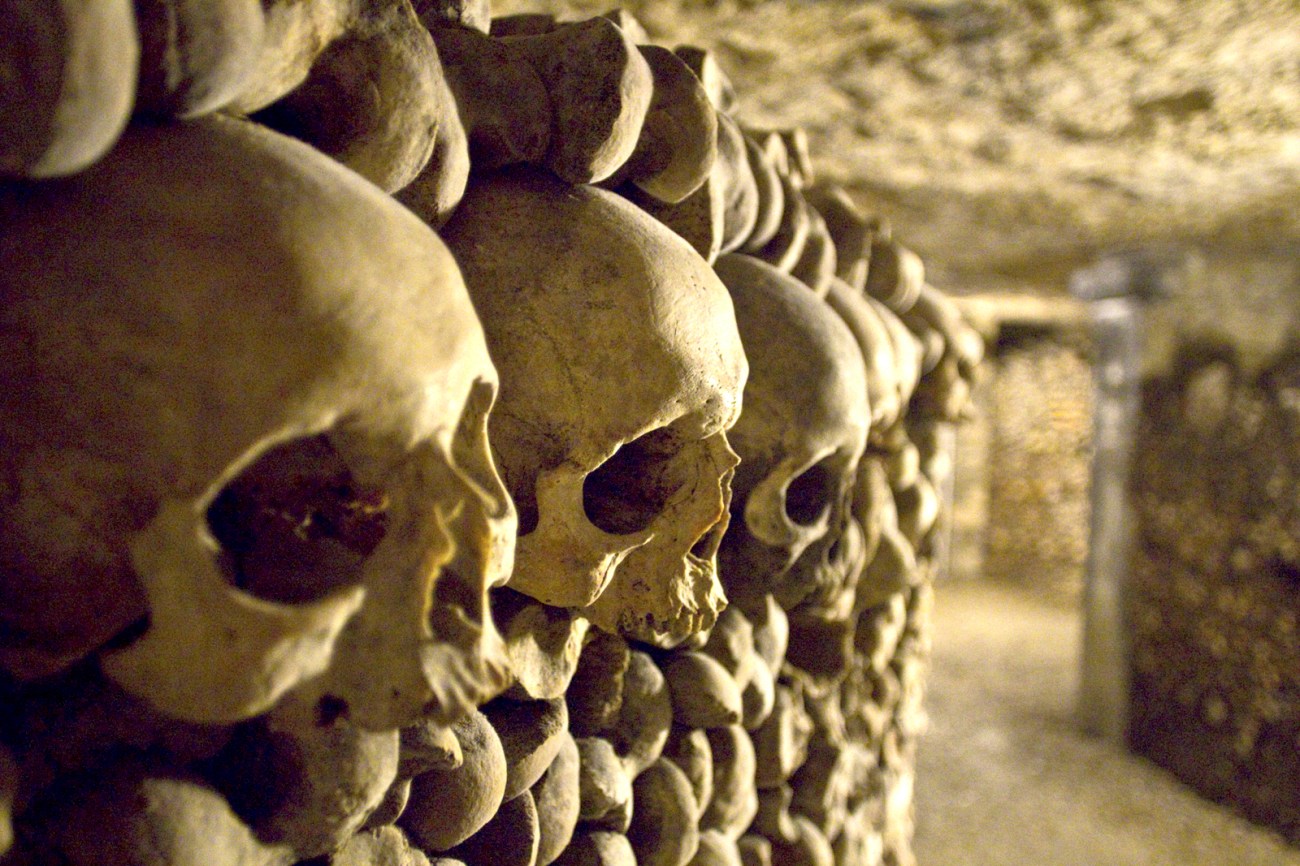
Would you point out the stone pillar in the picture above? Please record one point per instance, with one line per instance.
(1114, 288)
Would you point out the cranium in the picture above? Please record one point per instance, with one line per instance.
(884, 391)
(136, 810)
(512, 838)
(572, 97)
(665, 823)
(254, 408)
(800, 438)
(621, 371)
(195, 57)
(822, 627)
(70, 72)
(358, 79)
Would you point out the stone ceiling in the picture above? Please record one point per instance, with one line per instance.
(1008, 141)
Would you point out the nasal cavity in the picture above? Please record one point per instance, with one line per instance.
(295, 526)
(706, 546)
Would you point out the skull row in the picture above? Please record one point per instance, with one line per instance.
(652, 792)
(251, 513)
(404, 92)
(249, 457)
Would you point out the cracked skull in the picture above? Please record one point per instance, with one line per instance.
(800, 438)
(249, 456)
(621, 370)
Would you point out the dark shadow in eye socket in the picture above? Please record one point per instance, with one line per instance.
(295, 526)
(629, 490)
(810, 494)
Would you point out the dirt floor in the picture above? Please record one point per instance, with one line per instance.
(1005, 779)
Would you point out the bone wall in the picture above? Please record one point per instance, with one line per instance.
(1216, 574)
(439, 440)
(1040, 407)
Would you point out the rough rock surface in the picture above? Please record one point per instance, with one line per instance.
(1008, 140)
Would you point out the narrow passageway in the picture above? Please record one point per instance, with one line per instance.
(1005, 779)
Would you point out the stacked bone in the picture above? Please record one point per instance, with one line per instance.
(907, 467)
(835, 542)
(842, 540)
(264, 597)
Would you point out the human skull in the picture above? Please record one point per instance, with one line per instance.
(822, 627)
(621, 371)
(253, 407)
(800, 438)
(869, 329)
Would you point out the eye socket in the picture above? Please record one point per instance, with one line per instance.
(811, 493)
(295, 526)
(629, 490)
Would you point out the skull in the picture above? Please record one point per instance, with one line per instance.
(822, 627)
(621, 370)
(800, 438)
(254, 409)
(869, 329)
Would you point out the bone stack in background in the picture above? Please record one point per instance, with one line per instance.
(1214, 592)
(626, 712)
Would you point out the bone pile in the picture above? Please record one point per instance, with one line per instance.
(439, 439)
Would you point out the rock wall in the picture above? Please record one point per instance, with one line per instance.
(1009, 141)
(438, 439)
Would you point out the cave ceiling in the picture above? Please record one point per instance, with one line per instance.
(1009, 142)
